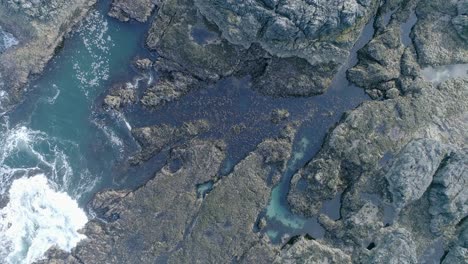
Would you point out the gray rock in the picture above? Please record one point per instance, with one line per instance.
(168, 204)
(183, 227)
(168, 88)
(120, 95)
(143, 64)
(411, 172)
(279, 115)
(456, 255)
(280, 64)
(224, 230)
(362, 225)
(311, 251)
(374, 129)
(392, 93)
(437, 35)
(393, 246)
(139, 10)
(292, 28)
(449, 200)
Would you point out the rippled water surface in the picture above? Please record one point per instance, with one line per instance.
(56, 149)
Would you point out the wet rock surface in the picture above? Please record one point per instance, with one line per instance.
(397, 164)
(184, 227)
(154, 139)
(291, 49)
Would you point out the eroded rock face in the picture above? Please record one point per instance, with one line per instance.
(311, 251)
(448, 195)
(412, 170)
(139, 10)
(393, 246)
(289, 48)
(318, 31)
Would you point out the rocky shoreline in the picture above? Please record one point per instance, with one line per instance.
(39, 27)
(398, 162)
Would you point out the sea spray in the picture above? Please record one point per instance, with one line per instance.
(37, 218)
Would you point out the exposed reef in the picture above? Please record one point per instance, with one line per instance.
(396, 165)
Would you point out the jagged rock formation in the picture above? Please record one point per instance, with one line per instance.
(288, 48)
(139, 10)
(399, 163)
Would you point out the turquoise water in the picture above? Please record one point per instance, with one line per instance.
(342, 96)
(59, 142)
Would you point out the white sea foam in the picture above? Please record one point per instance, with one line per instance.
(35, 151)
(440, 74)
(93, 32)
(36, 218)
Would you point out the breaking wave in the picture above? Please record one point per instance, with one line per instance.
(36, 218)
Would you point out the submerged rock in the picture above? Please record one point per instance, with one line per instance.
(156, 138)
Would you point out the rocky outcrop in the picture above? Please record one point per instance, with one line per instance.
(224, 230)
(376, 130)
(393, 246)
(139, 10)
(321, 32)
(120, 95)
(456, 255)
(411, 172)
(39, 27)
(156, 138)
(311, 251)
(439, 36)
(448, 198)
(290, 49)
(169, 203)
(185, 227)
